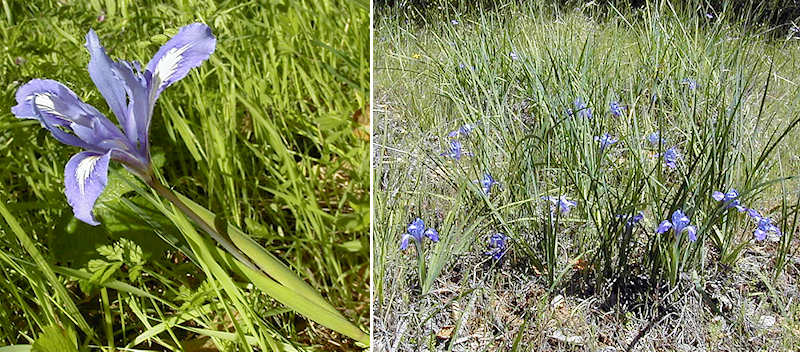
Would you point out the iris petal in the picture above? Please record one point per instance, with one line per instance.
(85, 178)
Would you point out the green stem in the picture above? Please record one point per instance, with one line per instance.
(420, 263)
(224, 242)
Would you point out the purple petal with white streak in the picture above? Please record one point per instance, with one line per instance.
(85, 177)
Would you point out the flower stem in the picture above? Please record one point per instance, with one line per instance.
(223, 241)
(420, 263)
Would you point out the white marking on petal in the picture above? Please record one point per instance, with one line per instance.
(168, 64)
(44, 103)
(84, 170)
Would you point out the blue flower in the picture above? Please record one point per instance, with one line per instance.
(729, 199)
(462, 131)
(454, 22)
(764, 225)
(616, 109)
(690, 82)
(513, 56)
(498, 245)
(605, 140)
(632, 220)
(456, 151)
(131, 93)
(679, 223)
(486, 183)
(417, 232)
(671, 157)
(654, 139)
(581, 108)
(563, 204)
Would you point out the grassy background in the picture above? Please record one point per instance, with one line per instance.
(572, 287)
(264, 134)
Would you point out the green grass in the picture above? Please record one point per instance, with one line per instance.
(262, 134)
(736, 130)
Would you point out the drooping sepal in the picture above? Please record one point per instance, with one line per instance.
(85, 178)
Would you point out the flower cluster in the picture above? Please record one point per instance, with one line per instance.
(764, 225)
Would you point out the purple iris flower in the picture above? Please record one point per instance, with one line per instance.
(654, 138)
(582, 109)
(513, 56)
(417, 232)
(462, 131)
(632, 220)
(130, 91)
(564, 205)
(486, 183)
(729, 199)
(690, 82)
(456, 150)
(679, 223)
(606, 140)
(616, 109)
(764, 225)
(498, 245)
(671, 157)
(454, 22)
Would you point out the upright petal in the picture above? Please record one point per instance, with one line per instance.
(192, 45)
(404, 241)
(101, 69)
(85, 178)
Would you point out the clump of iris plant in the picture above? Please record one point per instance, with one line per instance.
(680, 223)
(616, 109)
(563, 204)
(487, 182)
(498, 246)
(606, 140)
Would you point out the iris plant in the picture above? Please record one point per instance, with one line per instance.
(131, 92)
(680, 222)
(417, 232)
